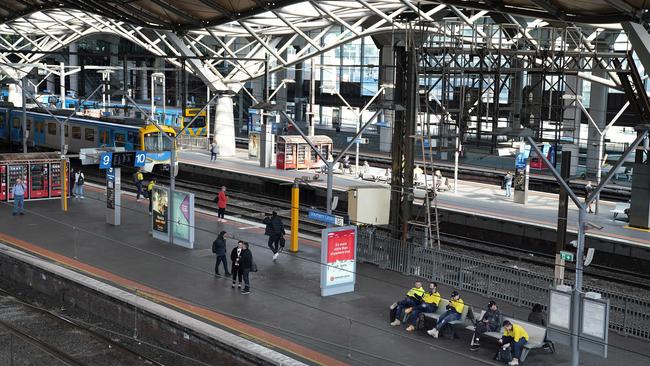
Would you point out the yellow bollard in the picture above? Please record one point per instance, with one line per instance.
(64, 185)
(295, 211)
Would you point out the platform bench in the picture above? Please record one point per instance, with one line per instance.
(430, 319)
(536, 335)
(619, 209)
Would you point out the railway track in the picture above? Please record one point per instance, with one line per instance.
(42, 337)
(253, 206)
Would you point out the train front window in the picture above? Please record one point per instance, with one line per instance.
(157, 142)
(198, 123)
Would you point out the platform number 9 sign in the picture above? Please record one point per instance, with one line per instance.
(105, 160)
(140, 159)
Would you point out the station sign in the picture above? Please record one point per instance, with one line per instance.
(120, 159)
(566, 256)
(325, 217)
(360, 140)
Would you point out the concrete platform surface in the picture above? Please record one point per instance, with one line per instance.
(481, 199)
(284, 311)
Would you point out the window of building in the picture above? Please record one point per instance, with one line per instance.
(51, 128)
(90, 134)
(76, 132)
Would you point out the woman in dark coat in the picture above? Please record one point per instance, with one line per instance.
(245, 267)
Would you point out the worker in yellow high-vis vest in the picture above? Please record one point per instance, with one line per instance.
(413, 298)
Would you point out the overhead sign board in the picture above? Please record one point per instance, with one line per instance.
(121, 159)
(325, 217)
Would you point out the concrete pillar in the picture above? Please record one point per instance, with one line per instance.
(387, 76)
(73, 61)
(144, 82)
(598, 111)
(571, 121)
(224, 120)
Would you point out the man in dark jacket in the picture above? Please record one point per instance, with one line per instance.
(219, 248)
(245, 266)
(490, 322)
(275, 231)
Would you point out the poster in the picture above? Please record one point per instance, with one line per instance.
(253, 145)
(594, 318)
(181, 213)
(560, 309)
(338, 252)
(160, 206)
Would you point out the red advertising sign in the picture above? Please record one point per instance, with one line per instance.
(340, 246)
(338, 252)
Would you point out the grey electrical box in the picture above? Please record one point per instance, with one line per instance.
(369, 205)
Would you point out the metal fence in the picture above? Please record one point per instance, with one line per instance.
(629, 315)
(187, 142)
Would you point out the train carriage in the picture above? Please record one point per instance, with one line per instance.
(82, 132)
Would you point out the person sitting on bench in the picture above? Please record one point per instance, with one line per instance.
(413, 298)
(429, 304)
(513, 335)
(490, 322)
(454, 311)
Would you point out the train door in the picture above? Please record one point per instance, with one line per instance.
(15, 172)
(3, 124)
(39, 180)
(104, 136)
(3, 183)
(39, 133)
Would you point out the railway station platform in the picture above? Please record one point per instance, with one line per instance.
(475, 204)
(284, 311)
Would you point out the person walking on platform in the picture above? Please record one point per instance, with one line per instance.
(429, 304)
(19, 190)
(79, 181)
(275, 231)
(490, 322)
(507, 184)
(213, 151)
(235, 258)
(588, 190)
(413, 298)
(246, 266)
(150, 186)
(222, 201)
(219, 248)
(514, 336)
(139, 180)
(454, 311)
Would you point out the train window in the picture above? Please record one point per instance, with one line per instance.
(16, 123)
(119, 139)
(90, 134)
(76, 132)
(51, 128)
(132, 137)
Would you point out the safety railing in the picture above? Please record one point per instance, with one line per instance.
(629, 315)
(187, 142)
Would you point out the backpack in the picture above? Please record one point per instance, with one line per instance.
(80, 181)
(503, 355)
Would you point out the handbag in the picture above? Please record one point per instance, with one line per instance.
(253, 266)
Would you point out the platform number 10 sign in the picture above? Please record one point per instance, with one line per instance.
(136, 159)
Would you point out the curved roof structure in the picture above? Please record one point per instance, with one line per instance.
(194, 14)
